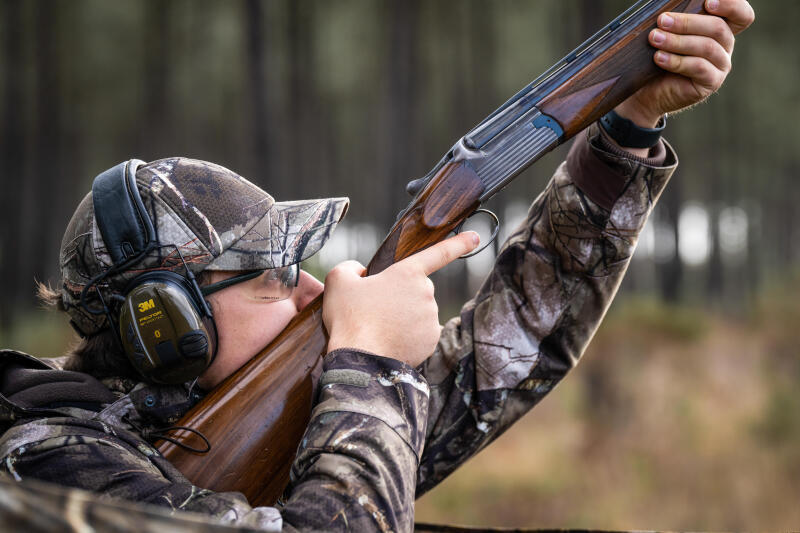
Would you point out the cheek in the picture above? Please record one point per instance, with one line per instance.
(245, 329)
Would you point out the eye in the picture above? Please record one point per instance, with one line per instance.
(271, 276)
(287, 276)
(275, 284)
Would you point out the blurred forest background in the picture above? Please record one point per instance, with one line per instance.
(684, 414)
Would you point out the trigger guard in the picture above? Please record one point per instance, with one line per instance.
(495, 231)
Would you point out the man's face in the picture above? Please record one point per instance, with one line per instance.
(246, 325)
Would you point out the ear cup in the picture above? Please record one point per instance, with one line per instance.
(166, 336)
(165, 327)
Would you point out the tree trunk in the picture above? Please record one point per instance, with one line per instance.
(402, 127)
(13, 160)
(155, 126)
(261, 150)
(670, 273)
(48, 175)
(300, 105)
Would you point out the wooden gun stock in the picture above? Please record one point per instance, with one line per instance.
(256, 418)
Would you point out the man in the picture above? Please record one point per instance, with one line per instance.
(397, 412)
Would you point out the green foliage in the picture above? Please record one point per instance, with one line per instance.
(780, 424)
(651, 318)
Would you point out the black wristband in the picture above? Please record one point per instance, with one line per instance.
(629, 135)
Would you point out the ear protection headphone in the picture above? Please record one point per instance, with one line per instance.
(165, 326)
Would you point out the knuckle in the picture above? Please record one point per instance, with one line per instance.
(352, 265)
(710, 48)
(720, 29)
(334, 274)
(710, 71)
(341, 271)
(727, 65)
(704, 73)
(719, 80)
(682, 23)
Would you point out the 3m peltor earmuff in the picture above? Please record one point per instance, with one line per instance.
(164, 324)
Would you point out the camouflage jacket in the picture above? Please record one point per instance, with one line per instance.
(381, 433)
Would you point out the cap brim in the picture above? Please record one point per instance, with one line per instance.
(289, 232)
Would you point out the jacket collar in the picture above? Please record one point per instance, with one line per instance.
(141, 405)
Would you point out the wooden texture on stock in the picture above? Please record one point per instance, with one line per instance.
(255, 419)
(616, 74)
(448, 199)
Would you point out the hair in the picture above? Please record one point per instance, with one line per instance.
(99, 354)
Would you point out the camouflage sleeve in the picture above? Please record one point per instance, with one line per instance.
(551, 284)
(356, 465)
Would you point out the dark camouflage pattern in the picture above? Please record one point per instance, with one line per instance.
(218, 220)
(382, 432)
(529, 324)
(107, 453)
(35, 507)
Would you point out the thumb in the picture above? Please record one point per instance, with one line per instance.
(443, 253)
(347, 269)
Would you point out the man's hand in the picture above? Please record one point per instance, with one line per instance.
(696, 50)
(394, 313)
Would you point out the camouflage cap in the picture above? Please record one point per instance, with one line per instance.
(218, 220)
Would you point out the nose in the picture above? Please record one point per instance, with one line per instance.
(308, 288)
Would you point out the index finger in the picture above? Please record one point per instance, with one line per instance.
(738, 13)
(443, 253)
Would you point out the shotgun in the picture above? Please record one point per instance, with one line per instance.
(255, 419)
